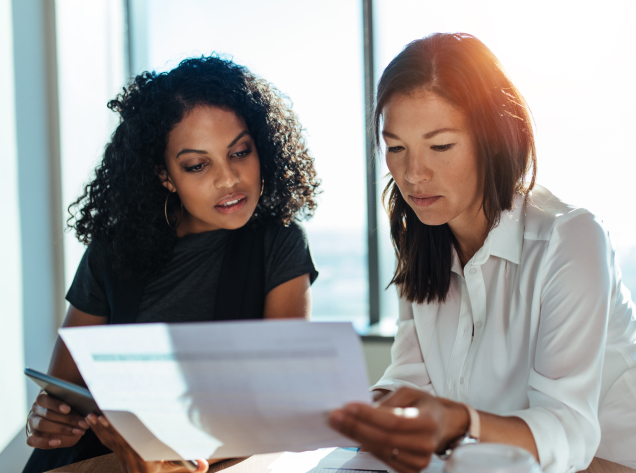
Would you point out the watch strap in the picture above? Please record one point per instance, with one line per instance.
(474, 425)
(471, 435)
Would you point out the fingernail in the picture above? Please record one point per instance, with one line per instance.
(78, 432)
(65, 409)
(352, 409)
(82, 424)
(91, 419)
(103, 421)
(54, 442)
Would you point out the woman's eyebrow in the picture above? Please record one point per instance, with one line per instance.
(200, 151)
(388, 134)
(187, 150)
(427, 136)
(240, 135)
(431, 134)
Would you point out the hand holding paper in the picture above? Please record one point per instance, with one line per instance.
(221, 389)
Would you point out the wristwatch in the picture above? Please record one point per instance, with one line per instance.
(471, 435)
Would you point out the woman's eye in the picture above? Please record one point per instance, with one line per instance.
(242, 154)
(394, 149)
(196, 168)
(442, 148)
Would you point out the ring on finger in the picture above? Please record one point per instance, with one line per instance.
(394, 453)
(407, 412)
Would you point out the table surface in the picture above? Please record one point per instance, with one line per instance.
(259, 464)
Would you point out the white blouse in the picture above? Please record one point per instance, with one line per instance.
(554, 335)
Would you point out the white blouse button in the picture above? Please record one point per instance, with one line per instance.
(472, 271)
(478, 325)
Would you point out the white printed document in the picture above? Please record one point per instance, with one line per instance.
(221, 389)
(339, 460)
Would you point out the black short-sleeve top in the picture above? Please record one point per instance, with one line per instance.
(185, 289)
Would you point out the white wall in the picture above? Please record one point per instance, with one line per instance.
(12, 385)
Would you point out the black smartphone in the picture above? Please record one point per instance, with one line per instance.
(79, 398)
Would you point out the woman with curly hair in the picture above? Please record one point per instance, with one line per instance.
(191, 217)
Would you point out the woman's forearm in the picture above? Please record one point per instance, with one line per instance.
(508, 430)
(494, 428)
(62, 365)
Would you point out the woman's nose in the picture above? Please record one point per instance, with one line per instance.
(417, 169)
(226, 177)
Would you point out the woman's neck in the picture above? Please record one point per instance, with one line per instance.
(188, 225)
(470, 233)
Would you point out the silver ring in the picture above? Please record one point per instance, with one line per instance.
(394, 453)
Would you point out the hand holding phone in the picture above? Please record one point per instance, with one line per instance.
(53, 424)
(54, 421)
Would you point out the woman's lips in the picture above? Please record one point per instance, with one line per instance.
(232, 203)
(424, 201)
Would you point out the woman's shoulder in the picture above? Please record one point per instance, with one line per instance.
(287, 253)
(95, 256)
(547, 218)
(276, 233)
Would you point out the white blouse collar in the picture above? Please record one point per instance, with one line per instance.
(504, 241)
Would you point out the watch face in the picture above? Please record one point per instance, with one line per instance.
(465, 439)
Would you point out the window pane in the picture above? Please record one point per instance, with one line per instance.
(13, 393)
(574, 66)
(94, 32)
(312, 52)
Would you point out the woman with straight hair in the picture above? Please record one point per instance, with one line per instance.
(514, 326)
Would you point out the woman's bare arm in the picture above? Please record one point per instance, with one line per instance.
(62, 365)
(52, 423)
(289, 300)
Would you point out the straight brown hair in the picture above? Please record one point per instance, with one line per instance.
(462, 70)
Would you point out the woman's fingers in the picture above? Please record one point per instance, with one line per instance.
(47, 441)
(410, 419)
(417, 440)
(103, 432)
(404, 452)
(405, 397)
(399, 434)
(55, 405)
(403, 462)
(41, 440)
(203, 466)
(129, 460)
(45, 425)
(71, 419)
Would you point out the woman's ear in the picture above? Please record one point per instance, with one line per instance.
(164, 177)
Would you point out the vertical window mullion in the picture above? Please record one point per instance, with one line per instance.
(373, 259)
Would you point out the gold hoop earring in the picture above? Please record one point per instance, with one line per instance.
(262, 187)
(165, 210)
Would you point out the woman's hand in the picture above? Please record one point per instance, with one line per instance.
(53, 424)
(129, 460)
(405, 429)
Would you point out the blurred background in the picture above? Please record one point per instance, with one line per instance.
(62, 60)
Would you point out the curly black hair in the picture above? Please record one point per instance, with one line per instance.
(123, 207)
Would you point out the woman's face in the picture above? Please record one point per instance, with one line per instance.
(432, 158)
(213, 165)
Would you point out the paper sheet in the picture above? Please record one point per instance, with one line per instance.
(223, 389)
(338, 460)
